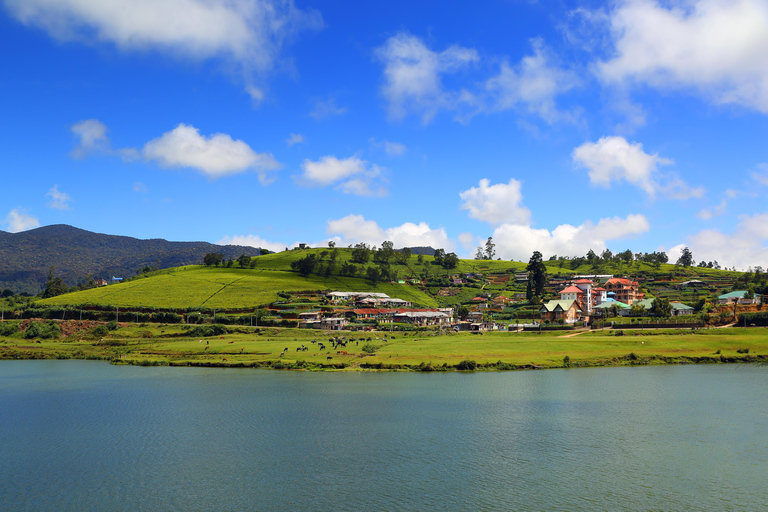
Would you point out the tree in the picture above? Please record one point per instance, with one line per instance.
(591, 256)
(450, 260)
(462, 312)
(402, 256)
(661, 307)
(54, 285)
(244, 261)
(439, 255)
(686, 257)
(490, 249)
(263, 251)
(213, 258)
(607, 255)
(479, 254)
(373, 275)
(537, 274)
(385, 252)
(637, 310)
(420, 259)
(331, 244)
(305, 265)
(361, 253)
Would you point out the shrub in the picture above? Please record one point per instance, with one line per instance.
(9, 328)
(43, 331)
(370, 348)
(100, 330)
(567, 361)
(203, 331)
(467, 364)
(744, 350)
(112, 325)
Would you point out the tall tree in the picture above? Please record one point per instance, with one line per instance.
(661, 307)
(686, 257)
(490, 249)
(537, 274)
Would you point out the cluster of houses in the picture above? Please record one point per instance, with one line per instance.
(582, 299)
(373, 306)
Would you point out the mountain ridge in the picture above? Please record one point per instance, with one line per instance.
(26, 257)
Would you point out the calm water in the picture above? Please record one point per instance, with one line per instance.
(80, 435)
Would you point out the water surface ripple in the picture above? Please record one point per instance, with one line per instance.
(80, 435)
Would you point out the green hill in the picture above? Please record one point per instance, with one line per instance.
(26, 257)
(418, 280)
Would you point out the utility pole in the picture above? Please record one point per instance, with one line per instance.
(117, 313)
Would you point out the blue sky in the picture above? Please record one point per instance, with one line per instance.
(556, 126)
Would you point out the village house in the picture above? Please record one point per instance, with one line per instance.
(424, 318)
(568, 311)
(624, 290)
(100, 282)
(739, 297)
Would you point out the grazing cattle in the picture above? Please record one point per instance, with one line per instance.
(282, 354)
(224, 359)
(298, 349)
(231, 342)
(285, 349)
(328, 358)
(241, 350)
(344, 352)
(206, 348)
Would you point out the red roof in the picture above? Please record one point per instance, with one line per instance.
(572, 289)
(478, 298)
(598, 289)
(583, 281)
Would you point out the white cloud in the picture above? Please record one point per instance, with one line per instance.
(614, 159)
(716, 47)
(716, 211)
(746, 247)
(59, 200)
(19, 220)
(760, 175)
(533, 84)
(92, 137)
(390, 148)
(140, 187)
(295, 138)
(246, 33)
(413, 75)
(351, 175)
(327, 108)
(253, 241)
(517, 242)
(354, 229)
(496, 204)
(215, 156)
(467, 240)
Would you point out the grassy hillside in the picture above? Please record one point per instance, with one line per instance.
(423, 282)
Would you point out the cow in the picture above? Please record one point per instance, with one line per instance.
(328, 358)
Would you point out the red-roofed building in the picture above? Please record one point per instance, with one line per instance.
(624, 290)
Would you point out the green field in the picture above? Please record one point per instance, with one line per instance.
(222, 288)
(244, 346)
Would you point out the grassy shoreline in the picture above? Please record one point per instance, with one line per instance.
(276, 348)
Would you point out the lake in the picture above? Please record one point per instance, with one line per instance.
(84, 435)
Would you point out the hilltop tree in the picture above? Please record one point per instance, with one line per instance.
(686, 257)
(479, 254)
(361, 253)
(244, 261)
(537, 275)
(490, 249)
(331, 244)
(450, 260)
(439, 255)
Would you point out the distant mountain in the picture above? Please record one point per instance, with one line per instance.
(426, 251)
(26, 257)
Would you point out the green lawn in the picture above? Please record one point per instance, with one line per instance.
(172, 344)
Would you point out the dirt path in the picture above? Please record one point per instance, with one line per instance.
(572, 334)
